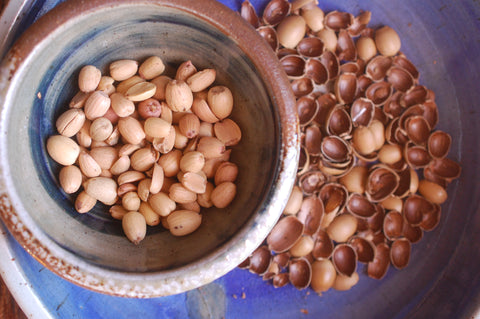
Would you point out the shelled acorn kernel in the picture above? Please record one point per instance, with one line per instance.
(368, 137)
(153, 147)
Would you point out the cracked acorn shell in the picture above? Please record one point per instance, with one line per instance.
(400, 253)
(393, 225)
(293, 65)
(313, 140)
(381, 183)
(247, 12)
(276, 11)
(335, 149)
(330, 61)
(414, 207)
(311, 181)
(344, 259)
(336, 20)
(300, 273)
(270, 35)
(311, 214)
(379, 92)
(378, 67)
(379, 266)
(362, 112)
(346, 49)
(307, 108)
(338, 122)
(364, 248)
(323, 245)
(439, 144)
(260, 260)
(310, 47)
(346, 87)
(316, 71)
(360, 206)
(285, 234)
(302, 86)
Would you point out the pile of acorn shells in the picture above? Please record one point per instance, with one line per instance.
(373, 169)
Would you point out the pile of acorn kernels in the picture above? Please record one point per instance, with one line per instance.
(368, 136)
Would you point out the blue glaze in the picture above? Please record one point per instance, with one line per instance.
(442, 39)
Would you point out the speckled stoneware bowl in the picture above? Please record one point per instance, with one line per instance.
(38, 78)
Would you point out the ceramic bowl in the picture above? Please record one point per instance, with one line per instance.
(38, 78)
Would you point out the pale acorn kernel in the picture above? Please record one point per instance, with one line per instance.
(151, 218)
(131, 130)
(178, 96)
(143, 189)
(151, 68)
(122, 70)
(185, 70)
(205, 199)
(226, 172)
(84, 202)
(100, 129)
(121, 165)
(96, 105)
(387, 41)
(126, 188)
(134, 226)
(122, 106)
(161, 83)
(103, 189)
(210, 147)
(83, 136)
(117, 212)
(78, 100)
(128, 83)
(192, 162)
(189, 125)
(183, 222)
(220, 100)
(170, 163)
(88, 78)
(143, 159)
(193, 182)
(131, 201)
(294, 201)
(157, 179)
(156, 127)
(88, 165)
(141, 91)
(223, 194)
(206, 129)
(193, 206)
(201, 80)
(181, 141)
(62, 149)
(180, 194)
(228, 132)
(105, 156)
(70, 178)
(291, 31)
(70, 122)
(162, 204)
(106, 85)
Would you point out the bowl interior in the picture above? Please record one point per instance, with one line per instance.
(49, 81)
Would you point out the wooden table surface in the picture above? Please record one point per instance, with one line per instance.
(8, 306)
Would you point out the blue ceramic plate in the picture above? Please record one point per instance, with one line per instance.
(442, 38)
